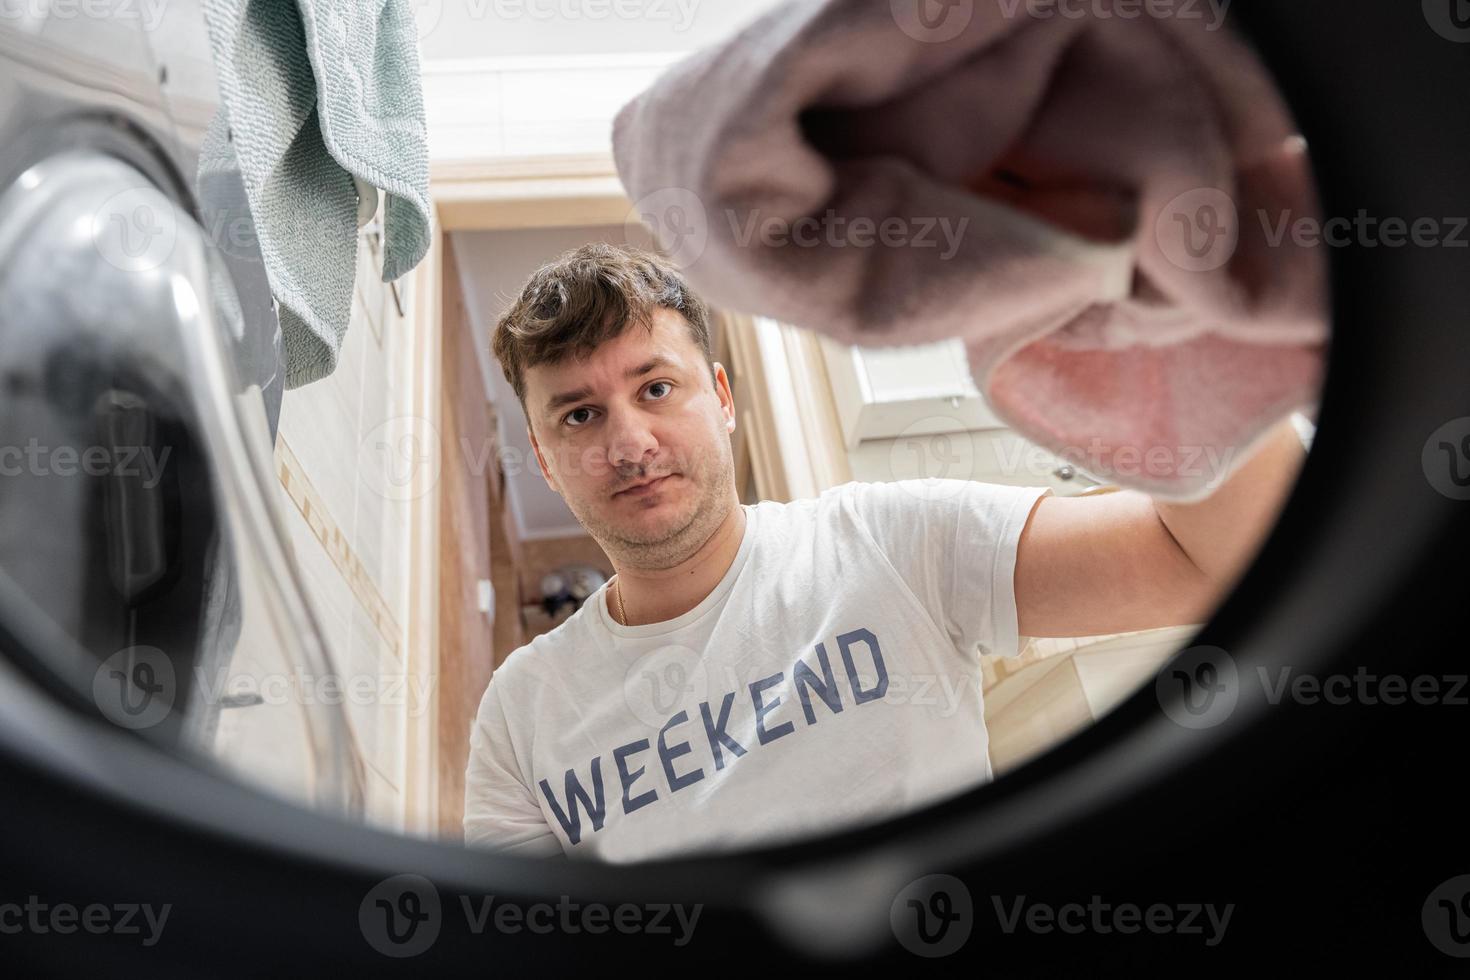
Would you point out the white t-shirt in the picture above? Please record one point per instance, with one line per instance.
(830, 679)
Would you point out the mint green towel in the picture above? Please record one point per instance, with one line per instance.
(315, 93)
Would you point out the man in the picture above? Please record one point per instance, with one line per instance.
(757, 673)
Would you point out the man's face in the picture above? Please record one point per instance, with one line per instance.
(642, 407)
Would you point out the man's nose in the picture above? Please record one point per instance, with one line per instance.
(632, 439)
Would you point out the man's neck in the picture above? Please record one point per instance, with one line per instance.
(658, 595)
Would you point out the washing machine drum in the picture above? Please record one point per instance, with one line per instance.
(109, 341)
(134, 522)
(107, 522)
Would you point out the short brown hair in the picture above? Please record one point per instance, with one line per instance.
(586, 297)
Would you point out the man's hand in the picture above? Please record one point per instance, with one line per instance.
(1123, 561)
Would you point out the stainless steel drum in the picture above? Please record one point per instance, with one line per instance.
(142, 571)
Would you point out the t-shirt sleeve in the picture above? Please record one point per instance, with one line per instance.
(500, 811)
(953, 543)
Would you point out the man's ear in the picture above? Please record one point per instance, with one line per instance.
(727, 398)
(541, 460)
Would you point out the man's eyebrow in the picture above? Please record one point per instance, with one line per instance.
(578, 394)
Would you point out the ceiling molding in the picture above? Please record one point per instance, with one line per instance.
(551, 62)
(510, 198)
(544, 166)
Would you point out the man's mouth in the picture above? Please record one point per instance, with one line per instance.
(644, 488)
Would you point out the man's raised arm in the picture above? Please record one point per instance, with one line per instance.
(1123, 561)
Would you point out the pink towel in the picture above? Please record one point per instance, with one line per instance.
(1093, 203)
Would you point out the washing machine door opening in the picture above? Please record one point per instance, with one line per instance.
(137, 533)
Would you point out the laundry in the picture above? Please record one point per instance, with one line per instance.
(322, 105)
(723, 748)
(1110, 282)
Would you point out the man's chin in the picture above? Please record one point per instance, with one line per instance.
(649, 525)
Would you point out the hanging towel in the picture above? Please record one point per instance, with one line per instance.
(1090, 202)
(318, 95)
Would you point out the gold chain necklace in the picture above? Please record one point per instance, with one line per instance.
(622, 613)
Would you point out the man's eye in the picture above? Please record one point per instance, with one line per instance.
(571, 421)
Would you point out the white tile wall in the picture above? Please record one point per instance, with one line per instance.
(349, 537)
